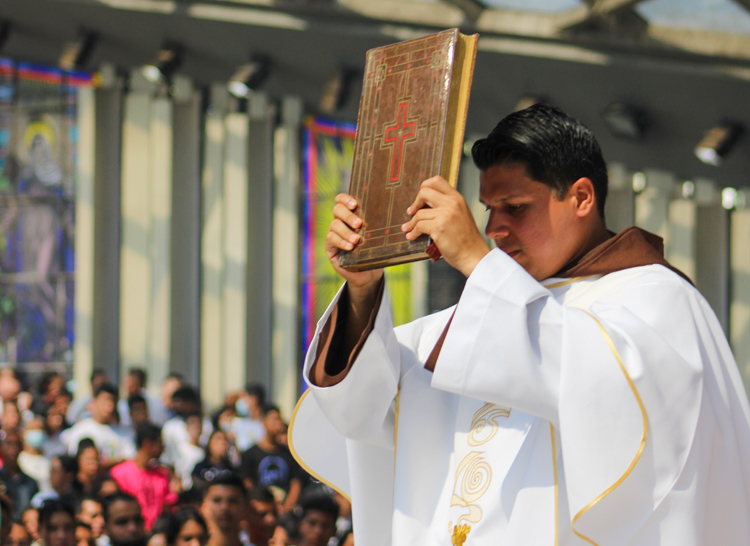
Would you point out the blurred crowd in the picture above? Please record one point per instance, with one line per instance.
(127, 468)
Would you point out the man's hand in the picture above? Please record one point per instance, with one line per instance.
(341, 236)
(442, 213)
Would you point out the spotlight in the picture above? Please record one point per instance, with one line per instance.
(625, 120)
(717, 143)
(167, 60)
(528, 101)
(336, 90)
(250, 76)
(76, 54)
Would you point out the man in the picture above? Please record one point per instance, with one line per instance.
(89, 510)
(185, 401)
(18, 536)
(269, 464)
(143, 477)
(31, 460)
(19, 487)
(223, 509)
(124, 521)
(262, 515)
(62, 472)
(57, 525)
(247, 426)
(78, 408)
(581, 392)
(113, 445)
(318, 522)
(135, 385)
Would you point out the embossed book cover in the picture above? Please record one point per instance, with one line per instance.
(410, 127)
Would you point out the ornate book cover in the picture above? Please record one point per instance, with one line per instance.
(410, 127)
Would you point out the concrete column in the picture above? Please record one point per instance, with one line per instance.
(619, 208)
(739, 329)
(285, 344)
(652, 204)
(680, 248)
(260, 236)
(212, 247)
(186, 225)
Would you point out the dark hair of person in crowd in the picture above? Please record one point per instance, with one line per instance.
(135, 399)
(52, 507)
(228, 479)
(258, 391)
(109, 388)
(146, 432)
(268, 408)
(177, 521)
(186, 393)
(192, 498)
(556, 149)
(290, 523)
(218, 414)
(262, 494)
(109, 500)
(87, 465)
(97, 372)
(104, 485)
(322, 503)
(139, 374)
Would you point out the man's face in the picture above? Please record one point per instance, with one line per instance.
(223, 507)
(91, 513)
(18, 536)
(132, 384)
(262, 520)
(12, 446)
(528, 222)
(103, 408)
(139, 413)
(59, 530)
(316, 528)
(154, 448)
(125, 524)
(273, 424)
(30, 520)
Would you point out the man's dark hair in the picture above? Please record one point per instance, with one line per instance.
(98, 483)
(227, 479)
(321, 502)
(96, 372)
(84, 444)
(68, 463)
(135, 399)
(139, 374)
(177, 521)
(53, 506)
(556, 149)
(107, 502)
(109, 388)
(186, 393)
(268, 408)
(258, 391)
(262, 494)
(146, 431)
(193, 496)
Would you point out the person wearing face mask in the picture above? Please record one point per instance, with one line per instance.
(31, 460)
(247, 427)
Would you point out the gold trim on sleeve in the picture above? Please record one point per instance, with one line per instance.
(642, 445)
(299, 459)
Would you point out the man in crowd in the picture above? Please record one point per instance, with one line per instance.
(143, 477)
(62, 471)
(185, 401)
(57, 524)
(113, 445)
(19, 487)
(135, 384)
(79, 408)
(18, 536)
(581, 390)
(247, 426)
(318, 522)
(89, 510)
(224, 508)
(262, 516)
(269, 464)
(124, 520)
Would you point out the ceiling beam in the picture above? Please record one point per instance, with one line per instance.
(472, 8)
(596, 10)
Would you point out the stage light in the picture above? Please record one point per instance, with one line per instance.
(250, 76)
(76, 54)
(167, 60)
(625, 120)
(717, 143)
(336, 90)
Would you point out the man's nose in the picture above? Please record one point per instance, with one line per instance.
(496, 227)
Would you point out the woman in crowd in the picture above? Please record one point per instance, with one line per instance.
(89, 465)
(216, 461)
(186, 528)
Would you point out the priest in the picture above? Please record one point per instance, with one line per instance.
(581, 392)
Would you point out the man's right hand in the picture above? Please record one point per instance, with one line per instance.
(342, 236)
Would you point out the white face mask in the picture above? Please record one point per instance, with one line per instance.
(242, 408)
(35, 438)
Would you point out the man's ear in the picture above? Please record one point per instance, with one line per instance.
(583, 197)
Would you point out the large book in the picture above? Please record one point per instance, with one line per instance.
(410, 127)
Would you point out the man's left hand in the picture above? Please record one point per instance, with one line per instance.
(442, 213)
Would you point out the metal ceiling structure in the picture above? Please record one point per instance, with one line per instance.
(686, 63)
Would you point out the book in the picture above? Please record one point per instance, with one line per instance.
(410, 127)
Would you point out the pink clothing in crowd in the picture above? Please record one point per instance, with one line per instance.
(150, 486)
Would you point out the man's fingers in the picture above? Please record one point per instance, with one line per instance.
(428, 196)
(341, 236)
(342, 213)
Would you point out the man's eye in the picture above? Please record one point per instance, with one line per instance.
(514, 208)
(486, 208)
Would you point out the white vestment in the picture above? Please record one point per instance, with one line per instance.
(600, 410)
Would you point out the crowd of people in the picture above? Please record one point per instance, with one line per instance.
(142, 470)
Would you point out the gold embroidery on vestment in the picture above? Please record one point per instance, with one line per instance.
(487, 415)
(459, 534)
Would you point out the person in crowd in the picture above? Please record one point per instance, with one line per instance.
(62, 472)
(18, 536)
(104, 485)
(143, 477)
(54, 427)
(268, 464)
(222, 419)
(262, 515)
(89, 510)
(51, 385)
(32, 460)
(112, 444)
(185, 401)
(135, 384)
(123, 520)
(170, 385)
(30, 520)
(158, 534)
(11, 415)
(191, 498)
(57, 524)
(280, 537)
(84, 536)
(216, 460)
(88, 465)
(247, 426)
(186, 528)
(223, 508)
(19, 487)
(79, 407)
(317, 523)
(138, 411)
(190, 452)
